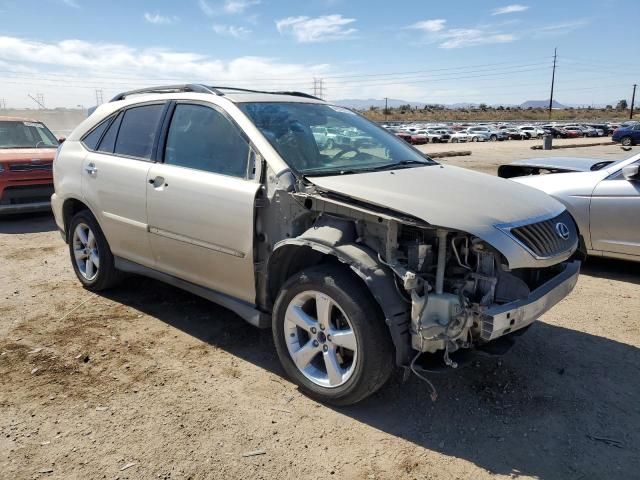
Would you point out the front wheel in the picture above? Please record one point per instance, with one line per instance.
(626, 141)
(330, 335)
(474, 139)
(493, 138)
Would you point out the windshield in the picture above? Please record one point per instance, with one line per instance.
(16, 134)
(319, 139)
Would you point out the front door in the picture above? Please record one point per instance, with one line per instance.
(200, 203)
(615, 215)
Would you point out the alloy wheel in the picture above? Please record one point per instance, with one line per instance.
(85, 251)
(320, 339)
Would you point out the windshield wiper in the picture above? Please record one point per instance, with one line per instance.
(400, 164)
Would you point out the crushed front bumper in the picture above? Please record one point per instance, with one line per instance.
(509, 317)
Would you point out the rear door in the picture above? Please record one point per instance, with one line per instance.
(114, 179)
(615, 215)
(200, 202)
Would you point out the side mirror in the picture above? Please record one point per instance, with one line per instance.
(631, 172)
(61, 140)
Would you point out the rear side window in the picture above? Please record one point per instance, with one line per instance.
(109, 139)
(91, 140)
(137, 131)
(204, 139)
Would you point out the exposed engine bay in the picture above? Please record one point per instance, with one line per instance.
(449, 287)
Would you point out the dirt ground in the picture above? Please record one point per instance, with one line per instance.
(150, 382)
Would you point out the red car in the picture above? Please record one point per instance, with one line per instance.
(572, 133)
(27, 148)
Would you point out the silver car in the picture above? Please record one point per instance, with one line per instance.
(359, 257)
(603, 197)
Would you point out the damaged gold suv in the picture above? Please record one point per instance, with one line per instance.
(360, 255)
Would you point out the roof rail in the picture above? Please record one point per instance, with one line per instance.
(296, 94)
(190, 87)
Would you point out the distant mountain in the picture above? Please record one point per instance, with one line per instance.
(540, 104)
(360, 104)
(373, 102)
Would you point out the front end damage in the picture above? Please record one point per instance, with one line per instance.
(450, 290)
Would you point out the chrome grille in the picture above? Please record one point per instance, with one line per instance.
(543, 238)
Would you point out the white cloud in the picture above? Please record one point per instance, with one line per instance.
(510, 9)
(429, 25)
(319, 29)
(231, 31)
(560, 28)
(239, 6)
(230, 7)
(436, 31)
(469, 37)
(158, 19)
(69, 71)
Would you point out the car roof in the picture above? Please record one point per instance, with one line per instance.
(18, 119)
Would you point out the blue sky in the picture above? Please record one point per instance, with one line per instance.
(429, 51)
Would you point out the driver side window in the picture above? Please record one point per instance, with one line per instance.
(202, 138)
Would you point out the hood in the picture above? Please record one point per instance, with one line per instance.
(446, 196)
(26, 154)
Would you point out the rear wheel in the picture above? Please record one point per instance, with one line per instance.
(493, 138)
(91, 256)
(474, 139)
(626, 141)
(330, 336)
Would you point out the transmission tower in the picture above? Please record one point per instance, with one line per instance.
(99, 96)
(318, 87)
(39, 99)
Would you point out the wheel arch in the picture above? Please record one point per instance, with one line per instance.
(322, 245)
(70, 207)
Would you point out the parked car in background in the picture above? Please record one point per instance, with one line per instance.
(492, 134)
(532, 131)
(419, 137)
(602, 196)
(445, 134)
(515, 134)
(27, 148)
(358, 260)
(406, 136)
(320, 134)
(556, 132)
(575, 131)
(458, 136)
(627, 135)
(476, 135)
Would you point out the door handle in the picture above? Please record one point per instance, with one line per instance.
(158, 182)
(91, 169)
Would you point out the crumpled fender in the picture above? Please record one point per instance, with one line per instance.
(335, 236)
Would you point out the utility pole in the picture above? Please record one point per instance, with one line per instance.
(99, 96)
(633, 101)
(553, 80)
(386, 109)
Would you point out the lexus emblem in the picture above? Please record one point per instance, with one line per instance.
(562, 230)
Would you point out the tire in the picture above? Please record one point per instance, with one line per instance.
(493, 138)
(474, 139)
(364, 369)
(98, 272)
(454, 140)
(330, 144)
(626, 141)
